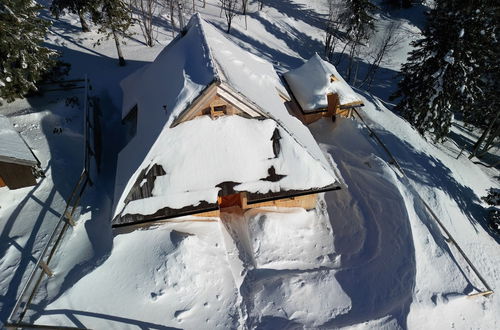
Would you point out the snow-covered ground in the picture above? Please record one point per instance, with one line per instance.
(370, 256)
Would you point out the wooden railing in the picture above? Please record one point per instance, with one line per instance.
(43, 265)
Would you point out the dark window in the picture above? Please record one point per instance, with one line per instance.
(220, 108)
(130, 123)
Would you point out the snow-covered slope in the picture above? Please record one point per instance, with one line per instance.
(369, 257)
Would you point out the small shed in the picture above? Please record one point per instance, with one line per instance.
(317, 90)
(17, 162)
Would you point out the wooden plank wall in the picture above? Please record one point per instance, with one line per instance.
(17, 176)
(307, 202)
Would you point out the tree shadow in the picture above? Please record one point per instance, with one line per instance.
(299, 12)
(62, 128)
(263, 50)
(426, 170)
(296, 40)
(415, 15)
(383, 85)
(31, 248)
(490, 158)
(72, 316)
(97, 200)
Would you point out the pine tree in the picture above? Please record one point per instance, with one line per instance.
(23, 60)
(446, 72)
(113, 18)
(79, 7)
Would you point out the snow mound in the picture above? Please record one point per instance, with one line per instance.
(290, 239)
(310, 298)
(162, 274)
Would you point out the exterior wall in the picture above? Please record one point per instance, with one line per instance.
(205, 106)
(16, 176)
(307, 202)
(2, 184)
(346, 113)
(209, 214)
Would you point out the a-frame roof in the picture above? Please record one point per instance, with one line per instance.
(193, 62)
(198, 156)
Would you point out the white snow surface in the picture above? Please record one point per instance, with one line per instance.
(199, 154)
(312, 236)
(310, 83)
(12, 147)
(175, 275)
(389, 266)
(179, 74)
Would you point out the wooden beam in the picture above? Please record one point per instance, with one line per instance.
(480, 294)
(197, 105)
(46, 269)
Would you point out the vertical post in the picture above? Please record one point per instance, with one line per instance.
(85, 110)
(181, 18)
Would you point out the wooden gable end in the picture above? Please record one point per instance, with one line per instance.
(216, 101)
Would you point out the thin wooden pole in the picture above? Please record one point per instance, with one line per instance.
(450, 239)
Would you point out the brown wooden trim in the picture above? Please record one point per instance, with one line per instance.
(480, 294)
(256, 198)
(182, 212)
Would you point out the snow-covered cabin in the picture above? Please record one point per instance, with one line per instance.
(318, 90)
(208, 130)
(17, 162)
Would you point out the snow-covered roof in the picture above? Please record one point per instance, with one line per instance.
(200, 154)
(166, 88)
(13, 149)
(311, 82)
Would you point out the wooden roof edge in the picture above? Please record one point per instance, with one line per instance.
(185, 112)
(215, 207)
(295, 193)
(19, 161)
(355, 104)
(193, 211)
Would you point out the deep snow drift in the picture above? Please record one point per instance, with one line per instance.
(368, 257)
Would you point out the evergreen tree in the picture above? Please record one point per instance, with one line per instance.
(23, 60)
(447, 72)
(113, 18)
(79, 7)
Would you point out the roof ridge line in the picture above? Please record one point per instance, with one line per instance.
(196, 18)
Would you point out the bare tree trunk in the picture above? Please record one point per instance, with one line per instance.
(389, 41)
(172, 18)
(147, 13)
(121, 60)
(229, 8)
(477, 145)
(339, 59)
(352, 51)
(181, 18)
(244, 4)
(85, 26)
